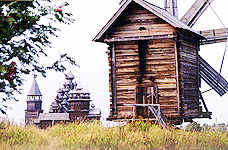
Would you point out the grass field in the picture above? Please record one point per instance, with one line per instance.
(88, 136)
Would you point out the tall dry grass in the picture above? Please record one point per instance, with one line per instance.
(138, 136)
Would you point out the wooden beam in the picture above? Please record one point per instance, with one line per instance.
(196, 10)
(171, 7)
(138, 38)
(114, 91)
(122, 2)
(214, 36)
(177, 75)
(204, 104)
(213, 78)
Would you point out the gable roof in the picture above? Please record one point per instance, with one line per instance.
(34, 90)
(160, 12)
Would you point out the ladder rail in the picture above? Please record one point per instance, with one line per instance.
(156, 113)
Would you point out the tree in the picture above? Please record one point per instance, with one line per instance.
(26, 29)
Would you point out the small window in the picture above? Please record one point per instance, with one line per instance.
(142, 28)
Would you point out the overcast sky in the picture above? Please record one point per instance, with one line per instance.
(76, 40)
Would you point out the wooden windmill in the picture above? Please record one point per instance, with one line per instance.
(155, 67)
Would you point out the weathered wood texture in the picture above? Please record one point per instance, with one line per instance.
(213, 78)
(34, 108)
(171, 65)
(215, 35)
(189, 79)
(160, 66)
(195, 11)
(139, 22)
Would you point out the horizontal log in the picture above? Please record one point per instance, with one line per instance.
(127, 46)
(138, 10)
(136, 26)
(161, 45)
(167, 93)
(139, 38)
(187, 51)
(188, 45)
(125, 51)
(138, 17)
(124, 108)
(166, 86)
(160, 41)
(141, 33)
(160, 62)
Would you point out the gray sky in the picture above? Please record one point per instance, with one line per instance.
(92, 75)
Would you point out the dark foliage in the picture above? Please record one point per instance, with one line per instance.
(25, 31)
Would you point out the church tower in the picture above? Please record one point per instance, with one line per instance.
(34, 103)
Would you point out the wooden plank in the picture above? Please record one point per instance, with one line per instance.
(138, 38)
(196, 10)
(114, 92)
(177, 78)
(136, 26)
(214, 36)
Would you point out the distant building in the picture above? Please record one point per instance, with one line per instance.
(34, 103)
(70, 104)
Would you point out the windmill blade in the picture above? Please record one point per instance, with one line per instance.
(214, 36)
(212, 77)
(196, 10)
(171, 7)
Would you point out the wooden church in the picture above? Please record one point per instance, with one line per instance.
(155, 67)
(71, 104)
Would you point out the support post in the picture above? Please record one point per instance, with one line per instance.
(114, 92)
(171, 7)
(204, 104)
(177, 47)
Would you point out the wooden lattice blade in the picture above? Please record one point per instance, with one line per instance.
(212, 78)
(171, 7)
(196, 10)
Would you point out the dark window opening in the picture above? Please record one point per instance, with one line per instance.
(142, 28)
(142, 48)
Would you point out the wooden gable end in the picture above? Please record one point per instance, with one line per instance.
(136, 21)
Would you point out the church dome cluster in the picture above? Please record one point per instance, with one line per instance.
(71, 103)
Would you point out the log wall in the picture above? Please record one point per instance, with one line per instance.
(189, 79)
(160, 66)
(170, 65)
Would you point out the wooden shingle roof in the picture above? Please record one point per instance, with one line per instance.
(34, 90)
(160, 12)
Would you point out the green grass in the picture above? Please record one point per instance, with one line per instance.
(138, 136)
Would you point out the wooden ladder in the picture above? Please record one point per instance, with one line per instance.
(157, 114)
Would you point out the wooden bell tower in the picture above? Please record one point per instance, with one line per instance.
(34, 103)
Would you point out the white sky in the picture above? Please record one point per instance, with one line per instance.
(76, 40)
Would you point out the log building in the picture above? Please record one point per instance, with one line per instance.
(71, 104)
(154, 61)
